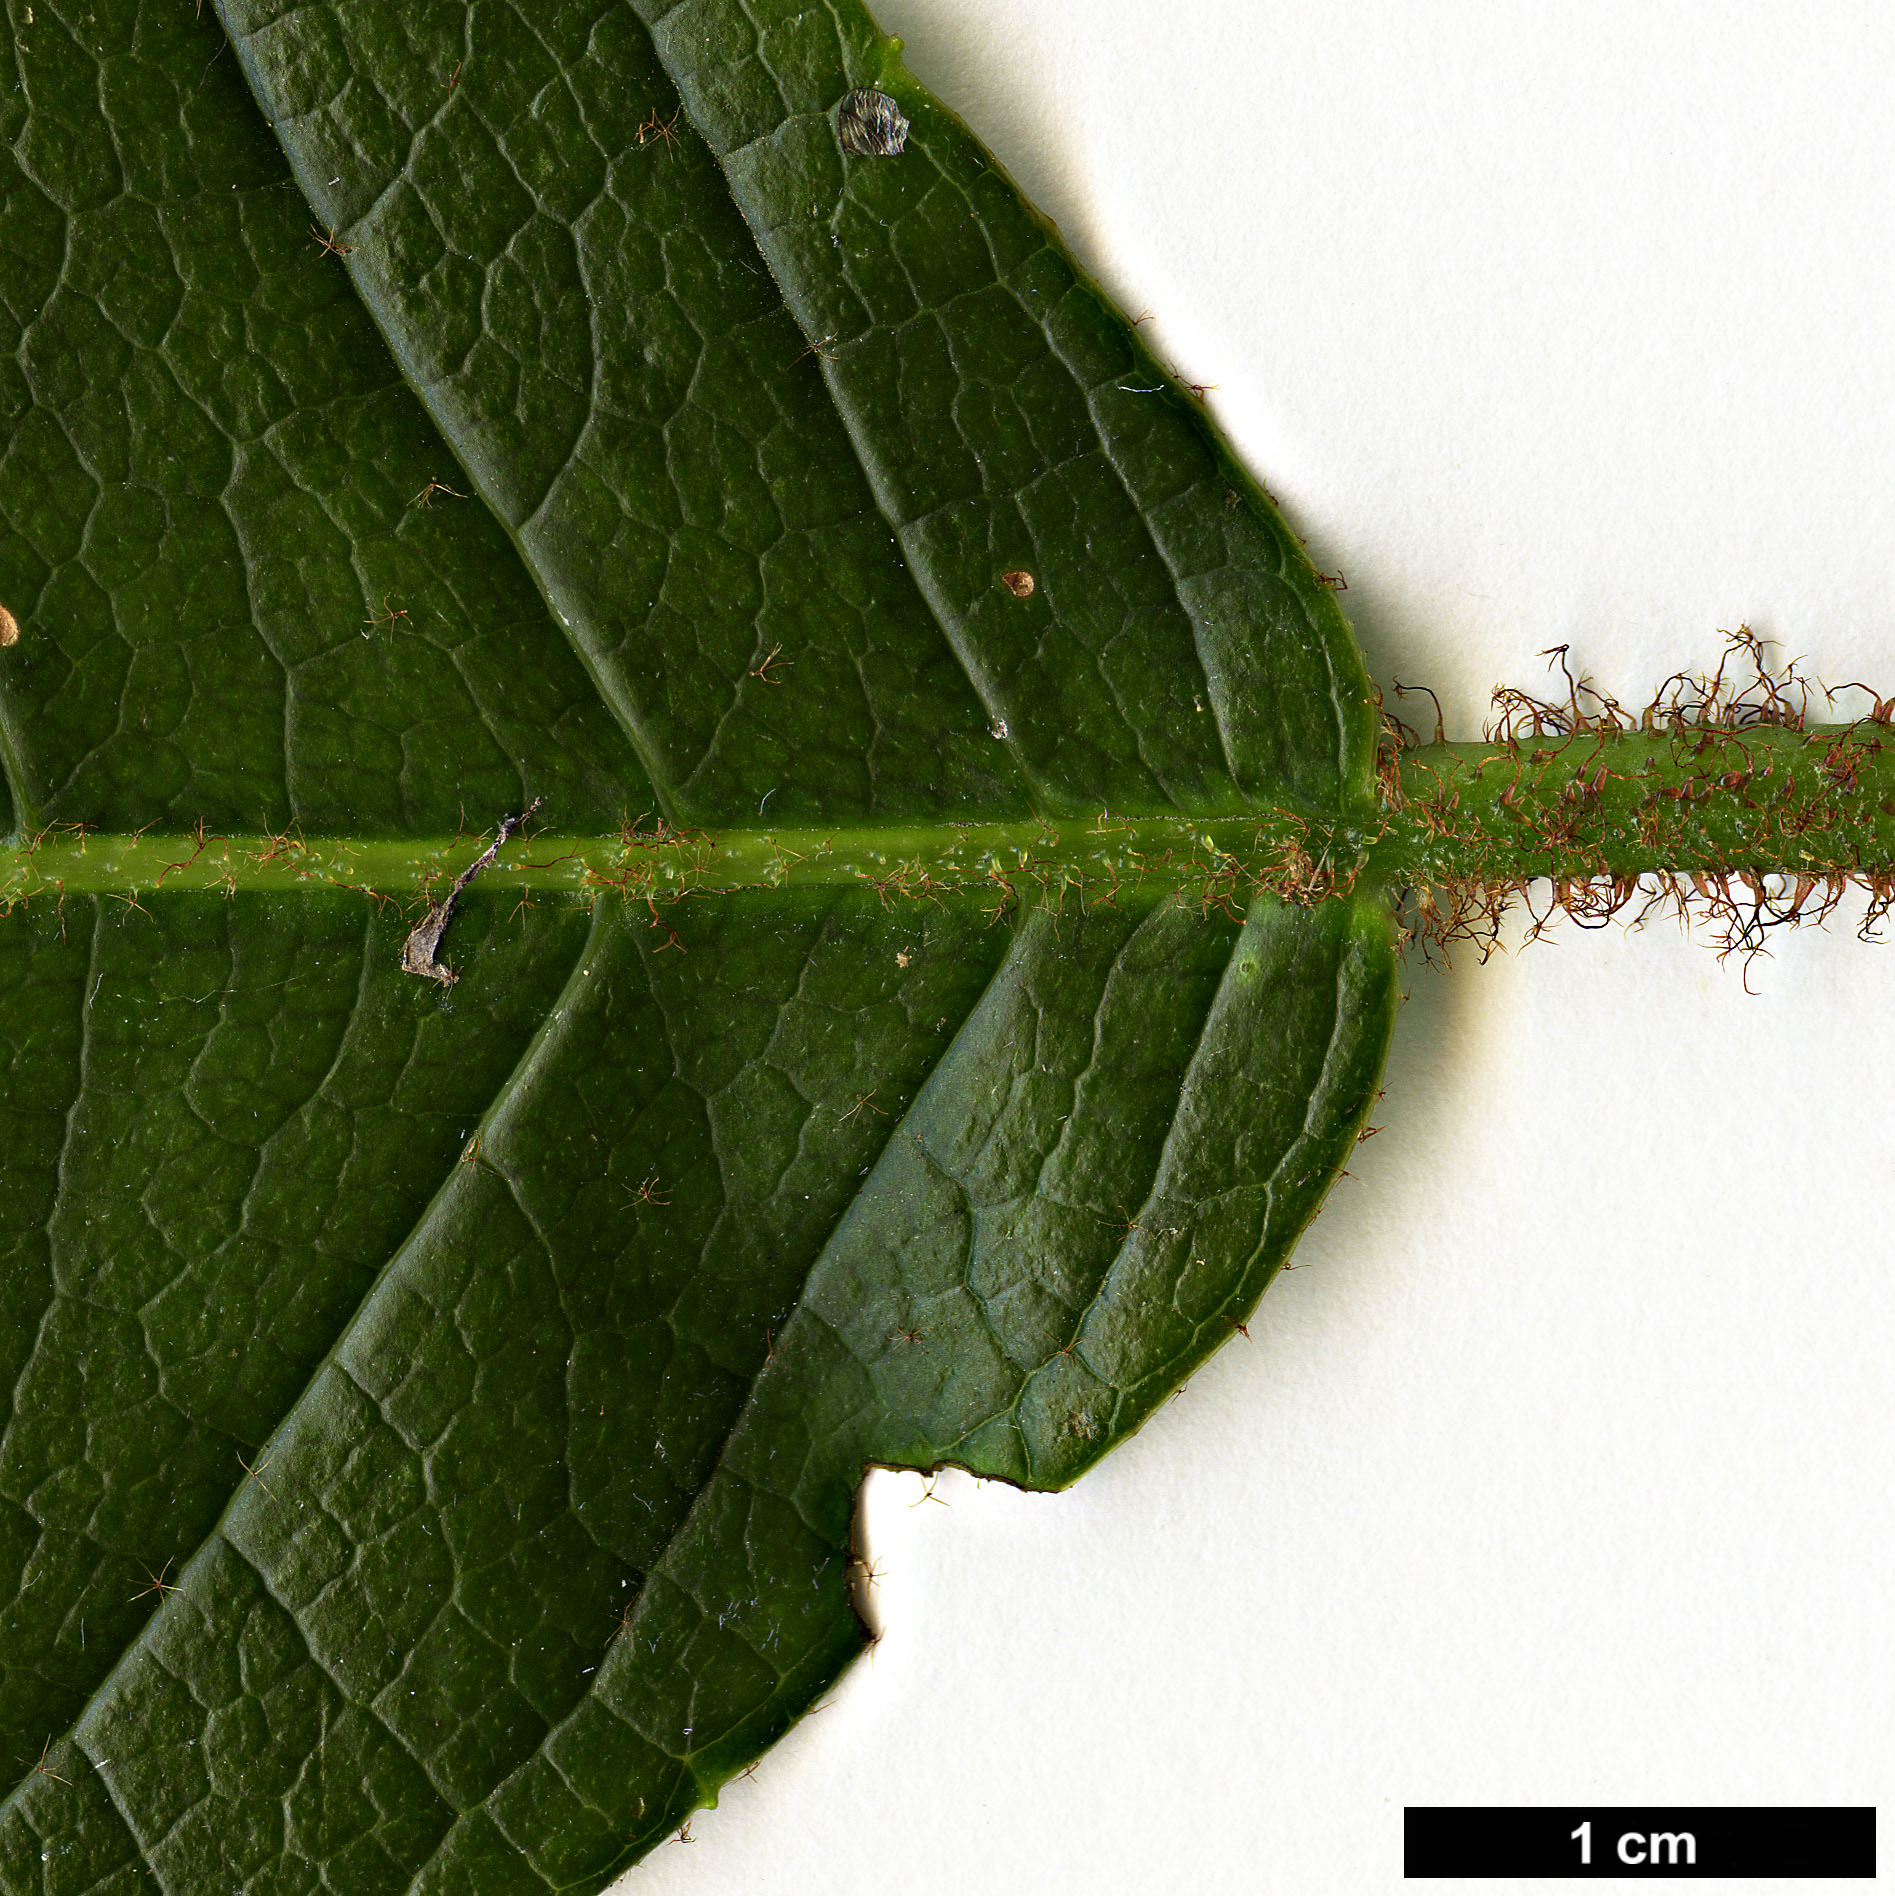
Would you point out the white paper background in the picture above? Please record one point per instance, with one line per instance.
(1562, 1471)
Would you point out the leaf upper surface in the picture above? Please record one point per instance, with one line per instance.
(689, 464)
(435, 1416)
(207, 492)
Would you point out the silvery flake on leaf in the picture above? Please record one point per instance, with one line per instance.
(871, 124)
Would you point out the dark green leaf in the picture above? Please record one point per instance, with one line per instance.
(436, 1416)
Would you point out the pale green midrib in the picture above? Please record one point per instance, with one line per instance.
(1488, 813)
(904, 858)
(1575, 806)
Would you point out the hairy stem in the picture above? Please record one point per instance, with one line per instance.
(1696, 801)
(1577, 808)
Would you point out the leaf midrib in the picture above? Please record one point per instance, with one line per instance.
(1154, 853)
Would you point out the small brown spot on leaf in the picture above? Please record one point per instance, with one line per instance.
(9, 628)
(1019, 582)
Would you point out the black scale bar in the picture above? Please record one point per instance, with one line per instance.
(1659, 1841)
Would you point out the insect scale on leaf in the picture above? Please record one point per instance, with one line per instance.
(871, 124)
